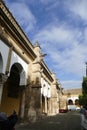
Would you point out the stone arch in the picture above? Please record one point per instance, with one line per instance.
(77, 102)
(70, 102)
(1, 63)
(12, 90)
(14, 80)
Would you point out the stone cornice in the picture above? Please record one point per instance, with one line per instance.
(15, 30)
(46, 71)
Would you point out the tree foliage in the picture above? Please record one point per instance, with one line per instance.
(84, 86)
(83, 97)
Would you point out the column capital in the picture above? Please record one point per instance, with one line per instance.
(3, 78)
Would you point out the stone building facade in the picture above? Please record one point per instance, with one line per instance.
(73, 94)
(26, 83)
(71, 98)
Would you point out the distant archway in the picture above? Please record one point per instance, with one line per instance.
(70, 102)
(77, 102)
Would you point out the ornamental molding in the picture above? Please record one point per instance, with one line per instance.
(14, 23)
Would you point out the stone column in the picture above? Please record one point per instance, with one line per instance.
(32, 111)
(22, 104)
(1, 90)
(45, 104)
(8, 60)
(49, 106)
(3, 78)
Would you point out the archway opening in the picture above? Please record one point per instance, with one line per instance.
(77, 102)
(70, 102)
(14, 80)
(11, 96)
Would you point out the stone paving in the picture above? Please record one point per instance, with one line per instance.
(63, 121)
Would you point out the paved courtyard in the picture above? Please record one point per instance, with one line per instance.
(63, 121)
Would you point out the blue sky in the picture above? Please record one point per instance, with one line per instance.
(60, 26)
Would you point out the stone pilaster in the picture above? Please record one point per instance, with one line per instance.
(22, 104)
(8, 60)
(1, 90)
(49, 106)
(45, 104)
(35, 104)
(3, 79)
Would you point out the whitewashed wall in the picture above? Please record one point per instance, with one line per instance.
(4, 49)
(16, 59)
(46, 88)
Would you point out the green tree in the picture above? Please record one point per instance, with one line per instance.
(83, 97)
(84, 86)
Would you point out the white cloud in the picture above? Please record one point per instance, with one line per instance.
(64, 48)
(69, 61)
(78, 7)
(23, 15)
(85, 36)
(58, 37)
(61, 35)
